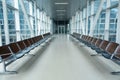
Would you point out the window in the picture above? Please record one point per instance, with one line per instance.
(113, 24)
(99, 30)
(113, 2)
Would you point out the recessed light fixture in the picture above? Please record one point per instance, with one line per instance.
(62, 10)
(61, 3)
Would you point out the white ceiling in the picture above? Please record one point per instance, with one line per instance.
(50, 8)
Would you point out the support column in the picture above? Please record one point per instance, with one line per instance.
(43, 19)
(73, 23)
(92, 17)
(87, 13)
(5, 15)
(38, 23)
(0, 36)
(70, 26)
(42, 27)
(107, 21)
(50, 25)
(79, 23)
(47, 27)
(17, 20)
(35, 15)
(96, 18)
(82, 23)
(84, 20)
(44, 23)
(76, 22)
(118, 25)
(26, 17)
(31, 15)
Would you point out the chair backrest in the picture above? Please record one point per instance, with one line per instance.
(104, 44)
(73, 34)
(82, 37)
(37, 38)
(14, 48)
(98, 42)
(21, 44)
(5, 52)
(46, 34)
(87, 38)
(31, 41)
(34, 39)
(27, 43)
(90, 39)
(40, 37)
(77, 35)
(94, 41)
(111, 47)
(117, 52)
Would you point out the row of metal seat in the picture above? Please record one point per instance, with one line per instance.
(108, 49)
(16, 50)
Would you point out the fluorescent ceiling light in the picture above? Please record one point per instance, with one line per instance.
(62, 3)
(62, 10)
(60, 14)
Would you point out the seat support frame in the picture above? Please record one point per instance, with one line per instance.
(3, 69)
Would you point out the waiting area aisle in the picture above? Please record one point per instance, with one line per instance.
(62, 60)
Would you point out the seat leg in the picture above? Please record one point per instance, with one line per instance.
(115, 73)
(8, 72)
(3, 69)
(30, 54)
(95, 55)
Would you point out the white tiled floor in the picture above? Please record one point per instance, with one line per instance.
(63, 60)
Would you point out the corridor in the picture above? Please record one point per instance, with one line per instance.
(62, 59)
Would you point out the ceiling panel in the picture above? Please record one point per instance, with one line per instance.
(50, 8)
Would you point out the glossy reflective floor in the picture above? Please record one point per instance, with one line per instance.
(62, 59)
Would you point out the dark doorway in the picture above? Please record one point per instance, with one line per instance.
(61, 27)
